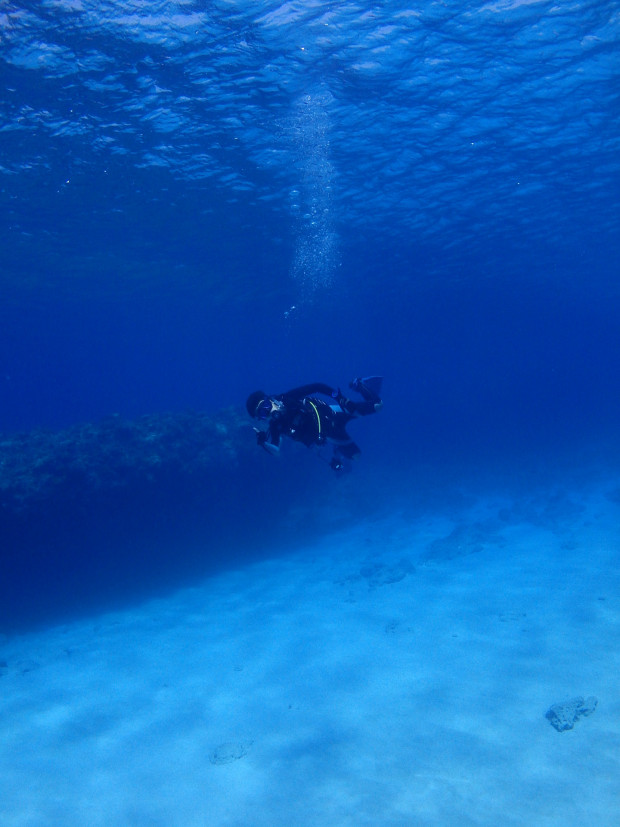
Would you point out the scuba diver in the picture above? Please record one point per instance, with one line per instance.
(302, 416)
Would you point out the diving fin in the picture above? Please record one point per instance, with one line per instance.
(370, 384)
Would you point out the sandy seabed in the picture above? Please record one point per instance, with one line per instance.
(395, 674)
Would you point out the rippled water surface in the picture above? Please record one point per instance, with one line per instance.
(272, 153)
(449, 121)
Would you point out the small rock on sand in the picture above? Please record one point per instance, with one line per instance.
(563, 716)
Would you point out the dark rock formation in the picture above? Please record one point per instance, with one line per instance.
(382, 574)
(81, 464)
(229, 752)
(100, 510)
(462, 540)
(563, 716)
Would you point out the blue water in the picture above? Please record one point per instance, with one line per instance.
(204, 198)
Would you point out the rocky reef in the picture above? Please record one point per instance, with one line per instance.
(93, 511)
(86, 459)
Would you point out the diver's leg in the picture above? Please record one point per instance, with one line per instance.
(349, 449)
(369, 390)
(340, 439)
(368, 387)
(343, 454)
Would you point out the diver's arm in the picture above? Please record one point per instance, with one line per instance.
(271, 447)
(269, 439)
(275, 433)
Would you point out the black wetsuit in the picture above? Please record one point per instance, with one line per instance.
(308, 419)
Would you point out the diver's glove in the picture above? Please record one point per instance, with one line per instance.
(261, 437)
